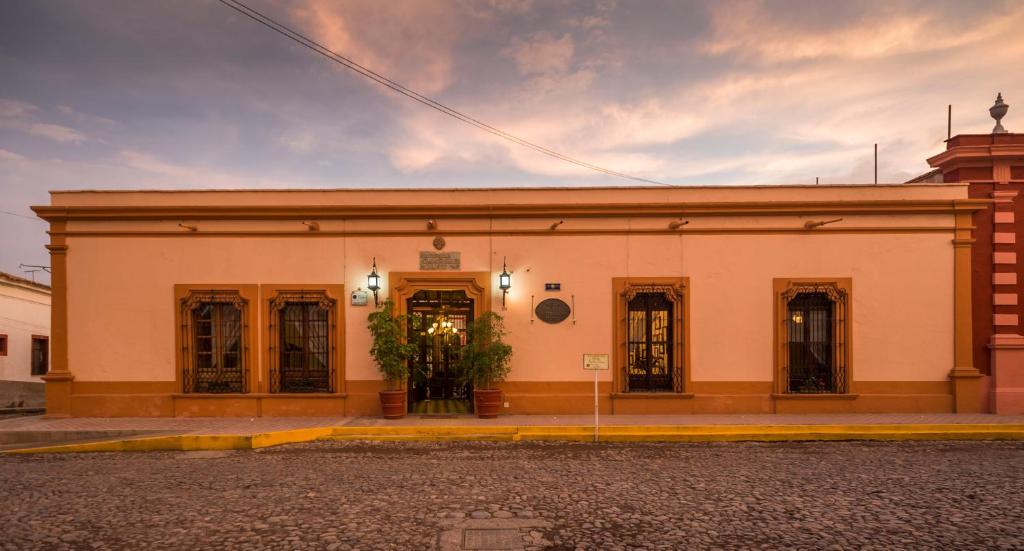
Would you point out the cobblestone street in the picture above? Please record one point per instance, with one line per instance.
(332, 495)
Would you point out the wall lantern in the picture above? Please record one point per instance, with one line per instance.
(504, 281)
(373, 281)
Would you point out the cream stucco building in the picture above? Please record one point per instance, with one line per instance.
(24, 341)
(704, 299)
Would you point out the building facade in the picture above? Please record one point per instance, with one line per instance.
(24, 341)
(993, 166)
(703, 299)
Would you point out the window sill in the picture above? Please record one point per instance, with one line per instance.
(304, 395)
(652, 395)
(822, 396)
(262, 395)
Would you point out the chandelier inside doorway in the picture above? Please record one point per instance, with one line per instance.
(442, 327)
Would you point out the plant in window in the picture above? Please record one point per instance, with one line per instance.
(486, 361)
(814, 385)
(391, 354)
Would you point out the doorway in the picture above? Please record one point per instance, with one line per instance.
(438, 320)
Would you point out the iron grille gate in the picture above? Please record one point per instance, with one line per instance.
(815, 330)
(437, 324)
(650, 343)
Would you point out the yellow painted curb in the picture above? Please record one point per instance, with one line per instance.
(611, 433)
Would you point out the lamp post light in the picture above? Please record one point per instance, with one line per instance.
(504, 281)
(373, 281)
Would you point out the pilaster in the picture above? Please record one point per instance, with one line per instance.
(59, 378)
(966, 378)
(1006, 344)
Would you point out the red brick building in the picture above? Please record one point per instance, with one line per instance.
(993, 165)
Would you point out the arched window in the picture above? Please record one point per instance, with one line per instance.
(213, 342)
(814, 346)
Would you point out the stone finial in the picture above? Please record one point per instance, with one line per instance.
(998, 111)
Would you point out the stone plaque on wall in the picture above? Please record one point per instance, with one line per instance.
(552, 310)
(430, 261)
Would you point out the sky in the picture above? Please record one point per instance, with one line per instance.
(152, 95)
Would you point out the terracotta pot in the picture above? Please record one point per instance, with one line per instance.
(393, 403)
(487, 403)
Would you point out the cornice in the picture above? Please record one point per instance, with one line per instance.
(977, 152)
(30, 287)
(542, 232)
(484, 211)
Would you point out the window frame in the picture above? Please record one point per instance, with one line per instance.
(677, 290)
(786, 289)
(190, 337)
(275, 296)
(46, 355)
(3, 344)
(246, 294)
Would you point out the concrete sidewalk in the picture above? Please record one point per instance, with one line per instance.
(39, 434)
(258, 425)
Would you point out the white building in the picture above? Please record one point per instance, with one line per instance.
(24, 341)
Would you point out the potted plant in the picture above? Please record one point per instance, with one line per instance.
(485, 362)
(391, 355)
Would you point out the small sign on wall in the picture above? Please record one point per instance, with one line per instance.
(430, 260)
(360, 297)
(595, 361)
(552, 286)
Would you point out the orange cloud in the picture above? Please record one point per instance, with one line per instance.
(754, 29)
(542, 53)
(410, 42)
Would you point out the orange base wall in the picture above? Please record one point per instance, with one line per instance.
(157, 399)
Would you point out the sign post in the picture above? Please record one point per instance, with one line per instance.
(595, 363)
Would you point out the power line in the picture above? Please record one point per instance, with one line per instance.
(21, 215)
(416, 96)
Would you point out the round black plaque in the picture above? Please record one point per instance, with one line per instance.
(552, 310)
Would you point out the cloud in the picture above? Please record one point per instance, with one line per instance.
(755, 29)
(19, 115)
(542, 54)
(84, 118)
(811, 98)
(299, 140)
(410, 42)
(743, 91)
(160, 172)
(492, 9)
(10, 156)
(602, 132)
(14, 108)
(56, 133)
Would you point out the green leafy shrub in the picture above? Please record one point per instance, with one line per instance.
(486, 359)
(390, 351)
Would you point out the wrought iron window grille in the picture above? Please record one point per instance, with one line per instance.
(303, 343)
(653, 343)
(814, 348)
(214, 343)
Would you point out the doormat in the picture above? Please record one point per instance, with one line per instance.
(441, 407)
